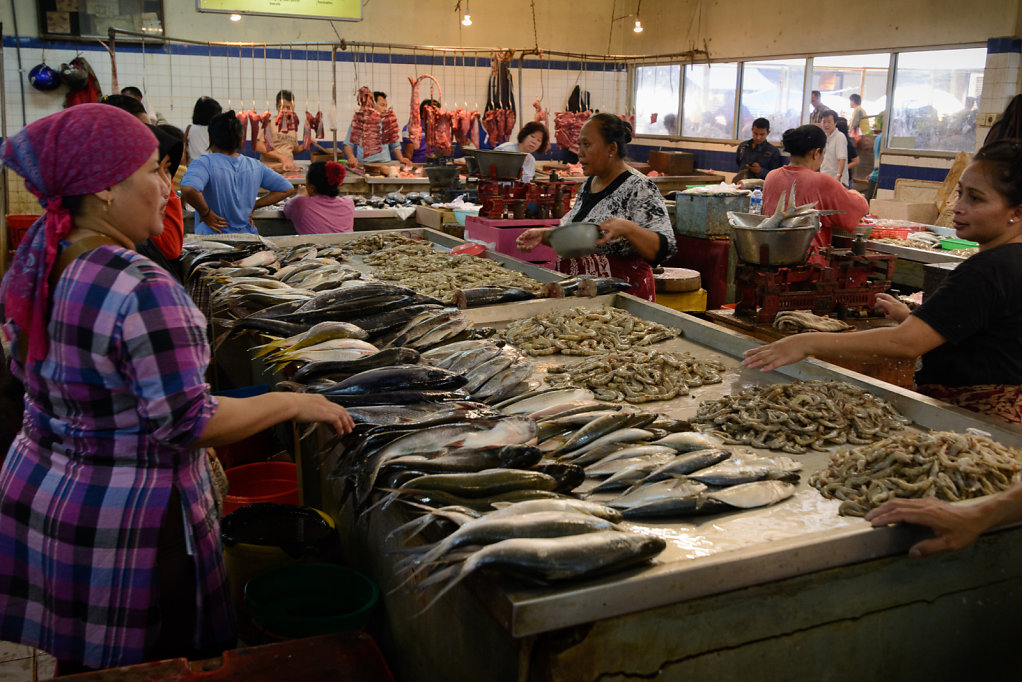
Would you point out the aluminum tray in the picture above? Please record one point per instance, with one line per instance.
(913, 254)
(717, 554)
(441, 241)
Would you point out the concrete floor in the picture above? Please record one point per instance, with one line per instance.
(24, 664)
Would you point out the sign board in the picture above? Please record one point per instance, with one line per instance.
(347, 10)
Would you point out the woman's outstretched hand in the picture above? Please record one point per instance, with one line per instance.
(892, 308)
(530, 239)
(783, 352)
(313, 407)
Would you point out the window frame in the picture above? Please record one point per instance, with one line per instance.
(806, 90)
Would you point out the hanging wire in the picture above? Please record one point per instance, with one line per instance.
(253, 80)
(170, 74)
(266, 76)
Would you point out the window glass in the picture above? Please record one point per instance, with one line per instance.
(936, 97)
(656, 99)
(709, 105)
(772, 90)
(837, 77)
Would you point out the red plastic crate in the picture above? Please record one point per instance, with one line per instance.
(889, 232)
(17, 227)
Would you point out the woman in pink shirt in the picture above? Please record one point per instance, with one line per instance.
(320, 210)
(805, 144)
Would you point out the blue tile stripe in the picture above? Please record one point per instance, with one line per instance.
(1005, 44)
(303, 53)
(890, 172)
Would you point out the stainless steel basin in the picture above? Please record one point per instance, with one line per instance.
(774, 245)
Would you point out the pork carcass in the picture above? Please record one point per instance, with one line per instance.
(414, 120)
(460, 122)
(474, 121)
(390, 132)
(365, 124)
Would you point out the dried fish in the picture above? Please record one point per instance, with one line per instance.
(950, 466)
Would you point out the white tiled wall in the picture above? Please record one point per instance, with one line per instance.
(1000, 83)
(172, 82)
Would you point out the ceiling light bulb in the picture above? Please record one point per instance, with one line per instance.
(638, 26)
(235, 17)
(467, 20)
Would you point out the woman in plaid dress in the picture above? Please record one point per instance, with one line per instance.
(109, 541)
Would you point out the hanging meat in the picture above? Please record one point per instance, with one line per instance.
(313, 128)
(542, 115)
(474, 121)
(390, 132)
(500, 116)
(414, 121)
(630, 119)
(568, 125)
(264, 121)
(461, 121)
(365, 124)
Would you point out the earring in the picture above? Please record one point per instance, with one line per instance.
(106, 206)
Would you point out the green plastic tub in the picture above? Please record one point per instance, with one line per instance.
(950, 244)
(304, 600)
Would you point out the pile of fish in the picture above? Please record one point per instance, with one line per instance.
(492, 373)
(950, 466)
(792, 417)
(433, 273)
(637, 376)
(396, 199)
(542, 541)
(584, 331)
(586, 285)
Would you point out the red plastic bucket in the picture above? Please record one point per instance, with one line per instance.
(275, 482)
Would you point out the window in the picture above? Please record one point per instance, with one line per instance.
(709, 105)
(936, 96)
(837, 77)
(656, 99)
(772, 90)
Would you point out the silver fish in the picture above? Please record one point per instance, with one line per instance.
(752, 495)
(546, 399)
(746, 469)
(671, 488)
(631, 471)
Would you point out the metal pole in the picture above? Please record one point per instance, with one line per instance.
(333, 71)
(113, 57)
(4, 264)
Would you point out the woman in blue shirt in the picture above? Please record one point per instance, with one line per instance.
(223, 186)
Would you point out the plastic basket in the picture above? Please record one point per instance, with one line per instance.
(17, 227)
(889, 232)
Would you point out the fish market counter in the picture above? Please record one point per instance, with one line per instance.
(791, 591)
(908, 268)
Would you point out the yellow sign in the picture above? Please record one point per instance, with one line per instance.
(350, 10)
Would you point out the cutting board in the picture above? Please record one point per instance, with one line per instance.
(677, 280)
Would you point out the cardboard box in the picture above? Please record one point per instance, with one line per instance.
(672, 163)
(434, 218)
(500, 236)
(918, 212)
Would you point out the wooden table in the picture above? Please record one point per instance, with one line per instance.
(897, 371)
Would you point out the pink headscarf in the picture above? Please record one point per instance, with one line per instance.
(81, 150)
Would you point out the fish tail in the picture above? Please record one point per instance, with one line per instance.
(453, 575)
(267, 348)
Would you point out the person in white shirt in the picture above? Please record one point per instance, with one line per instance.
(835, 154)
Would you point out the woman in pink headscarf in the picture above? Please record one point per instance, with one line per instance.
(109, 537)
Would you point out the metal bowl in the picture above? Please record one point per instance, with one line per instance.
(574, 240)
(498, 165)
(773, 245)
(442, 176)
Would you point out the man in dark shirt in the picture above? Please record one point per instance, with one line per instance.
(757, 157)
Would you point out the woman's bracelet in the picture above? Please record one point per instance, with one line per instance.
(208, 211)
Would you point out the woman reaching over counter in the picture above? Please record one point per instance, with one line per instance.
(223, 187)
(628, 207)
(533, 137)
(969, 331)
(110, 550)
(321, 210)
(806, 144)
(280, 154)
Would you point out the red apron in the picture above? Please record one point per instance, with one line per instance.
(633, 269)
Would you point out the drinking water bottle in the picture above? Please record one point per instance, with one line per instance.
(756, 202)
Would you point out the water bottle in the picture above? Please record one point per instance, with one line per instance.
(756, 202)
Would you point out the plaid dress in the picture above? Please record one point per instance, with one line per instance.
(112, 416)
